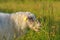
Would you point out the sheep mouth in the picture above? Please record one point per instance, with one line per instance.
(36, 29)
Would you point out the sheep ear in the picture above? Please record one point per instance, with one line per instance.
(25, 18)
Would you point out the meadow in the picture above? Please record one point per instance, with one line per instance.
(47, 12)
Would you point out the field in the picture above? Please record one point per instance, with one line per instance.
(47, 12)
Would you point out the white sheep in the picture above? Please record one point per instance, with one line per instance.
(16, 24)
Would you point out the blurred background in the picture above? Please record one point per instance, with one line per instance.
(46, 11)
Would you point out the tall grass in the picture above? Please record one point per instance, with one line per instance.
(47, 12)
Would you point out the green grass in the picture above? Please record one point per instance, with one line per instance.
(48, 13)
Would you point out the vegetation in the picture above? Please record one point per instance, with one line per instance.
(47, 12)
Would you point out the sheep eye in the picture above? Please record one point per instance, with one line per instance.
(30, 19)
